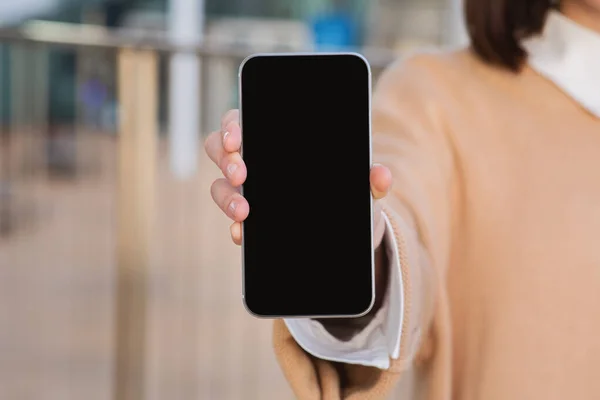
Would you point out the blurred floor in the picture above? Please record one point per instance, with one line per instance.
(57, 292)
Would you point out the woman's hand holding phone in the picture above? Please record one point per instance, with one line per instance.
(223, 148)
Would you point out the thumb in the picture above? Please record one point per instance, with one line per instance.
(381, 181)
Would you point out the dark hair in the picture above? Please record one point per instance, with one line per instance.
(496, 28)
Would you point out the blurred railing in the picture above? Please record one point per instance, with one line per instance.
(85, 36)
(114, 274)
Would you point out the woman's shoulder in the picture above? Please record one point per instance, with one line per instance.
(438, 68)
(442, 77)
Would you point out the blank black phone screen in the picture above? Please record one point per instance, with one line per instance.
(307, 242)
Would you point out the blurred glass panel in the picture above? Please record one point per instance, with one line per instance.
(58, 256)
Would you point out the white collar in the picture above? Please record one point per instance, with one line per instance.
(568, 54)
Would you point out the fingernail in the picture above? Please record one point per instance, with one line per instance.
(225, 134)
(231, 168)
(232, 207)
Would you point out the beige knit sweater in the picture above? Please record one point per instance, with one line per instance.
(496, 209)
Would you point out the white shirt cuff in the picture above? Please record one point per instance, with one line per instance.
(375, 344)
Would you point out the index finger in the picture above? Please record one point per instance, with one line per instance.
(229, 117)
(231, 131)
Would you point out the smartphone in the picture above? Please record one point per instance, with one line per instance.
(306, 140)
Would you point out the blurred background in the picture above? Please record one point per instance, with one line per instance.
(118, 280)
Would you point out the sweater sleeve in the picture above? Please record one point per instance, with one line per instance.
(408, 137)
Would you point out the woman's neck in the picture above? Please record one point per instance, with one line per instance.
(581, 13)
